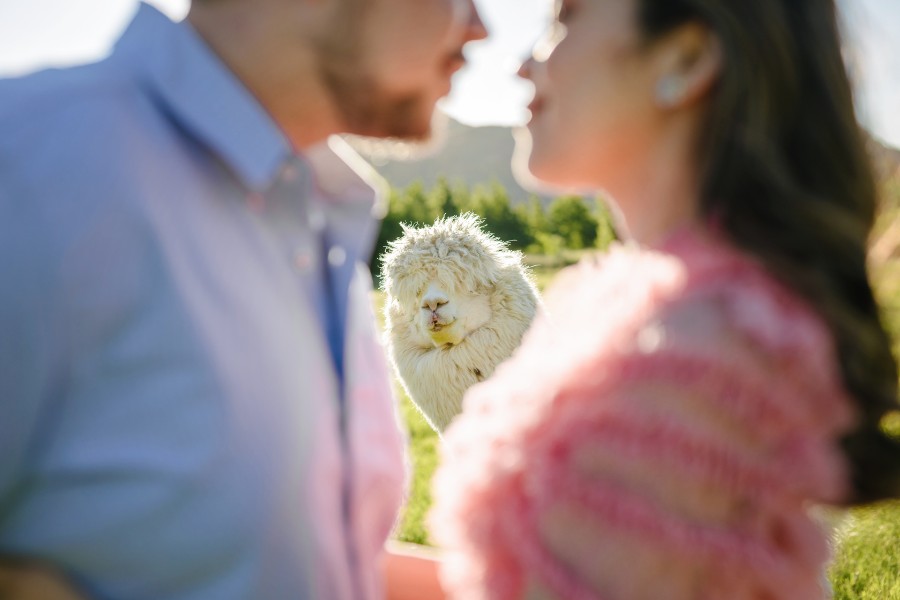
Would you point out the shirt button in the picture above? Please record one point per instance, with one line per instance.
(337, 256)
(303, 260)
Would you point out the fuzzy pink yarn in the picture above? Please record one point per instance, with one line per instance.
(661, 433)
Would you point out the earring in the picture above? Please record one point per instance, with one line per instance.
(669, 90)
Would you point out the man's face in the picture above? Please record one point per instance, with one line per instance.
(387, 62)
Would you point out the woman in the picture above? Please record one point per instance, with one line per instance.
(664, 431)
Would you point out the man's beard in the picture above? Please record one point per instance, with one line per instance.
(371, 112)
(385, 127)
(366, 108)
(380, 150)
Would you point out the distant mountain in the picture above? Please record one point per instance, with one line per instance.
(462, 154)
(482, 155)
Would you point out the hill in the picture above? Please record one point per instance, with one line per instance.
(461, 154)
(482, 155)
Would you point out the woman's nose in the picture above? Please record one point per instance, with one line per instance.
(526, 68)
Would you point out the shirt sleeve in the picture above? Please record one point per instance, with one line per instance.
(29, 343)
(72, 273)
(677, 466)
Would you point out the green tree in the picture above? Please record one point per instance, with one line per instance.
(493, 205)
(606, 227)
(570, 222)
(410, 206)
(442, 200)
(570, 218)
(414, 206)
(532, 214)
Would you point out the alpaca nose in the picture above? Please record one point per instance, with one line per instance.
(434, 299)
(434, 303)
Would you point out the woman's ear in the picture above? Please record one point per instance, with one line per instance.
(690, 61)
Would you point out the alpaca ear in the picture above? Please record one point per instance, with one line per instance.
(690, 63)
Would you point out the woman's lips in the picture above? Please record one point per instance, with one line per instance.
(536, 106)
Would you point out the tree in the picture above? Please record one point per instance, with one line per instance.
(570, 218)
(606, 226)
(570, 222)
(532, 214)
(493, 205)
(442, 200)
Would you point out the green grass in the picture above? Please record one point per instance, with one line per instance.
(424, 457)
(544, 268)
(867, 564)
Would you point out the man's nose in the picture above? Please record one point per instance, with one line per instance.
(475, 29)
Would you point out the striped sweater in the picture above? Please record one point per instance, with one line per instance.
(661, 433)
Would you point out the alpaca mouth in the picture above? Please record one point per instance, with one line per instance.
(444, 335)
(436, 326)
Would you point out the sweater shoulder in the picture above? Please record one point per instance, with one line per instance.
(694, 282)
(697, 318)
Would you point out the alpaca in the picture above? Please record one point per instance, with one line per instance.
(458, 302)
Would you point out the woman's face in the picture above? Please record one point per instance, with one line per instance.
(593, 116)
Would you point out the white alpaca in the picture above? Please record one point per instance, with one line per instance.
(458, 302)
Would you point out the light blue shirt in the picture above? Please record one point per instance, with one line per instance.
(160, 245)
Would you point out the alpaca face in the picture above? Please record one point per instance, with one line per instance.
(446, 315)
(457, 304)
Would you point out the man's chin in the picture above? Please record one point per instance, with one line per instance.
(412, 139)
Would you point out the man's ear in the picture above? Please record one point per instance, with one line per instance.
(690, 62)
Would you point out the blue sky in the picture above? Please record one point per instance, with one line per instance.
(37, 33)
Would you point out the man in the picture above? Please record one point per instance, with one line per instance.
(193, 399)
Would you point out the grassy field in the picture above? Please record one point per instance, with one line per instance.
(867, 540)
(867, 564)
(424, 455)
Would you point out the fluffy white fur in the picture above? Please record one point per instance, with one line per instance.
(458, 302)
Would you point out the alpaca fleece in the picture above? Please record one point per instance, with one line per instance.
(458, 303)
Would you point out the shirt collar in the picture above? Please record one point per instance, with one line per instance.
(343, 176)
(204, 97)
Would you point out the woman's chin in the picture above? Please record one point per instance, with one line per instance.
(525, 167)
(537, 168)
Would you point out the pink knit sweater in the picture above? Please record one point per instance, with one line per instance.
(660, 434)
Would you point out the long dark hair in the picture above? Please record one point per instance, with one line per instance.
(788, 177)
